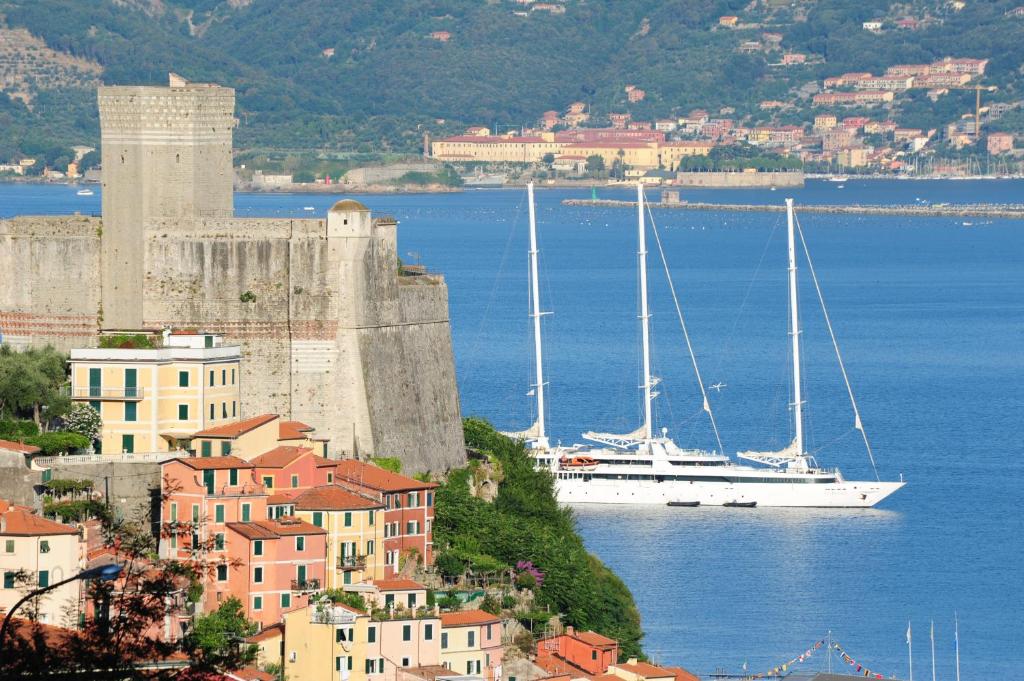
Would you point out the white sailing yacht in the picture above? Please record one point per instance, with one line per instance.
(641, 468)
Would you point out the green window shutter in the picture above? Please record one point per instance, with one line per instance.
(234, 409)
(257, 575)
(47, 475)
(131, 377)
(213, 414)
(222, 573)
(183, 412)
(301, 573)
(268, 481)
(97, 406)
(223, 376)
(348, 518)
(208, 480)
(219, 513)
(471, 638)
(131, 411)
(232, 377)
(207, 448)
(286, 600)
(257, 602)
(444, 640)
(348, 578)
(406, 632)
(412, 600)
(371, 515)
(95, 382)
(9, 580)
(300, 543)
(295, 481)
(318, 518)
(371, 637)
(211, 378)
(44, 578)
(233, 480)
(428, 632)
(208, 341)
(218, 541)
(182, 379)
(245, 513)
(257, 547)
(128, 443)
(225, 448)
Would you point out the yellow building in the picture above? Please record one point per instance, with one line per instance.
(321, 643)
(40, 552)
(154, 399)
(355, 532)
(495, 149)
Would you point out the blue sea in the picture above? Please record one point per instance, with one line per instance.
(929, 313)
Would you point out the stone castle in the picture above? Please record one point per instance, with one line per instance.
(331, 333)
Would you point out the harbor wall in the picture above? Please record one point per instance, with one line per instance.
(726, 180)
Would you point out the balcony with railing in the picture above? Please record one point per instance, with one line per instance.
(330, 614)
(306, 585)
(352, 563)
(95, 392)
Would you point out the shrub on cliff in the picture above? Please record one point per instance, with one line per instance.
(525, 523)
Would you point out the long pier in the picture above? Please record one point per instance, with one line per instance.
(985, 210)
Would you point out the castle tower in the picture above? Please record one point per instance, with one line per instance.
(166, 152)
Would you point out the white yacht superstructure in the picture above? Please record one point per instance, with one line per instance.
(641, 468)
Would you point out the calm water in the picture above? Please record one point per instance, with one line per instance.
(930, 317)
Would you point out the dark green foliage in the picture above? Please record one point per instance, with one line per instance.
(72, 510)
(739, 157)
(525, 523)
(491, 604)
(126, 340)
(449, 602)
(445, 177)
(31, 384)
(349, 598)
(57, 443)
(388, 82)
(17, 430)
(218, 637)
(388, 463)
(303, 177)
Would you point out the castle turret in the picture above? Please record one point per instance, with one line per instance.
(166, 153)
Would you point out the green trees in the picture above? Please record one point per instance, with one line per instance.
(595, 163)
(31, 384)
(216, 640)
(83, 420)
(525, 523)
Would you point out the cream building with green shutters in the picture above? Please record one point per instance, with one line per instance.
(154, 399)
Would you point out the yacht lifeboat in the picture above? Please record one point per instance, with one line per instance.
(578, 463)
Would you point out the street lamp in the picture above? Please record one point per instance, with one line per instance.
(103, 573)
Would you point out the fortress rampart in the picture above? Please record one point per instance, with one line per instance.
(331, 333)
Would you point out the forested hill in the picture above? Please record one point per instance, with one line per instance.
(364, 73)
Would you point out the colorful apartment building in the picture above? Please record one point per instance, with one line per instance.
(292, 468)
(583, 653)
(408, 510)
(354, 526)
(154, 399)
(37, 552)
(275, 565)
(471, 643)
(328, 641)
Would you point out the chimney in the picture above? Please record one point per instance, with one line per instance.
(631, 660)
(570, 630)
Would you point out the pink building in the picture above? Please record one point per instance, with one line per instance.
(408, 509)
(275, 565)
(292, 468)
(1000, 142)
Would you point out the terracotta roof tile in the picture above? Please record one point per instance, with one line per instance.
(238, 427)
(20, 522)
(275, 529)
(206, 463)
(272, 631)
(279, 457)
(646, 670)
(19, 447)
(333, 498)
(595, 639)
(397, 585)
(321, 462)
(368, 475)
(293, 430)
(466, 618)
(683, 674)
(283, 497)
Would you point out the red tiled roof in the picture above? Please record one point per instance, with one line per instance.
(321, 462)
(466, 618)
(250, 674)
(238, 427)
(398, 585)
(646, 670)
(333, 498)
(682, 674)
(16, 521)
(490, 139)
(377, 478)
(595, 639)
(283, 497)
(272, 631)
(19, 447)
(275, 529)
(608, 144)
(279, 457)
(293, 430)
(207, 463)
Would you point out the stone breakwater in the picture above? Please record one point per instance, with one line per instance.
(986, 210)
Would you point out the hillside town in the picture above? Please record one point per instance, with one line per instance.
(851, 126)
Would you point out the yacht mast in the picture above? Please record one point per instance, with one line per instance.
(541, 439)
(794, 325)
(644, 314)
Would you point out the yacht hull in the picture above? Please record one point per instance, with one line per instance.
(846, 494)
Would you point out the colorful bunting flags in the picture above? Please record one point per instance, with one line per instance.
(861, 669)
(780, 669)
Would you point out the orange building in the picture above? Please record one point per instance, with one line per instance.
(574, 653)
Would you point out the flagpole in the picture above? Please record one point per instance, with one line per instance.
(933, 649)
(956, 634)
(910, 651)
(830, 651)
